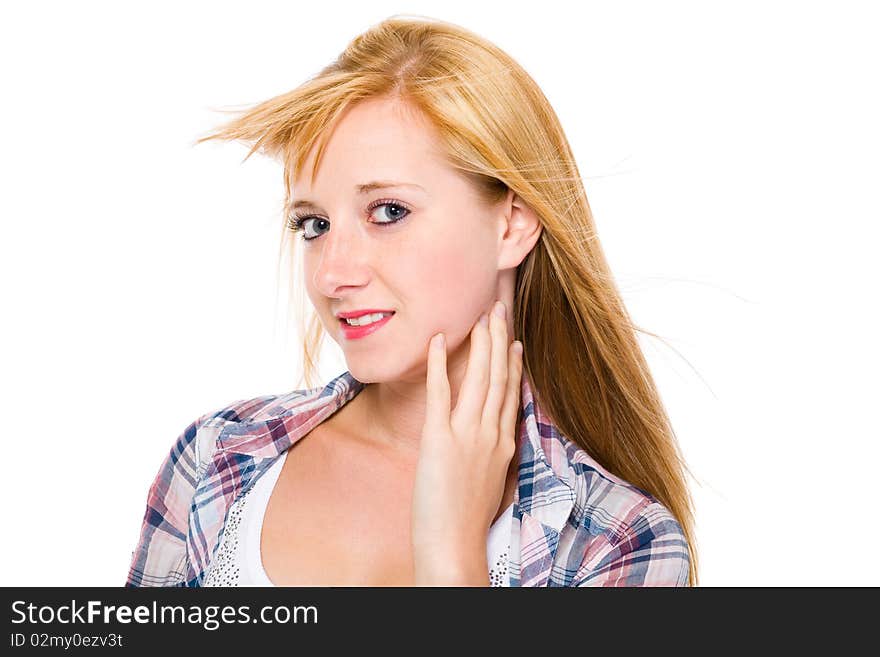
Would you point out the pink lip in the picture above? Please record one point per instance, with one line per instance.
(355, 332)
(357, 313)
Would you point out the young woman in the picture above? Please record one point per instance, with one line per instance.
(435, 196)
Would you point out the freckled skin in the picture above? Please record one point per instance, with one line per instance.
(440, 267)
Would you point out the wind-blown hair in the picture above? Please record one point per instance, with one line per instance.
(496, 127)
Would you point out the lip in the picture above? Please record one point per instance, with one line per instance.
(356, 332)
(363, 311)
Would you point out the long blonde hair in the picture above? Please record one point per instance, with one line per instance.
(497, 128)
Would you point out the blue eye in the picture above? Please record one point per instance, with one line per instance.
(397, 212)
(296, 223)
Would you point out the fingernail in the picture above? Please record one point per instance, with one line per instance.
(439, 341)
(484, 319)
(517, 346)
(500, 309)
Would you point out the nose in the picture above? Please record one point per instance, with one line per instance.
(342, 262)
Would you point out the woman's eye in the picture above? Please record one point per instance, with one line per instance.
(391, 213)
(302, 223)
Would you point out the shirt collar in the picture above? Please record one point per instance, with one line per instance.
(545, 488)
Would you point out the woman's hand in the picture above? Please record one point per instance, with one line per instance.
(464, 456)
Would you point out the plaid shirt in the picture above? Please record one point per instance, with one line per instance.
(574, 523)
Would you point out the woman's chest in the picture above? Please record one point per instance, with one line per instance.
(338, 518)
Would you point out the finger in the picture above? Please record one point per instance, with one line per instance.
(510, 412)
(498, 371)
(437, 382)
(472, 394)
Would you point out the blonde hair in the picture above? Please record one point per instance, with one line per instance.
(497, 128)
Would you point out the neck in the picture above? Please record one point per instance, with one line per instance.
(391, 414)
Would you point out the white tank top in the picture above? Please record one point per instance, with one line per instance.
(238, 561)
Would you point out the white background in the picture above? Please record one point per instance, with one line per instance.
(730, 155)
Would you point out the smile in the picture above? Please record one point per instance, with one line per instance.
(354, 332)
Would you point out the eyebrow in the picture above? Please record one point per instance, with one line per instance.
(365, 188)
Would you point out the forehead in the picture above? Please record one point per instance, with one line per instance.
(377, 139)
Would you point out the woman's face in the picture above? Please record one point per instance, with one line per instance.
(436, 267)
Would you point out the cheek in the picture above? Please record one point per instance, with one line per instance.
(454, 285)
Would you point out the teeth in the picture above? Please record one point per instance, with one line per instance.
(366, 319)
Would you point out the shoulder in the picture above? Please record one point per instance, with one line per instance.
(161, 556)
(264, 408)
(192, 451)
(628, 537)
(605, 503)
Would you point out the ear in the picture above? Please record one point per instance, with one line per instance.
(519, 229)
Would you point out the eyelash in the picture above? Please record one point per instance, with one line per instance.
(295, 223)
